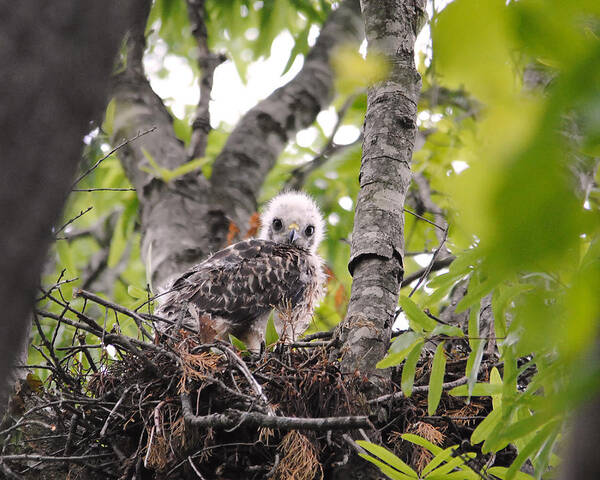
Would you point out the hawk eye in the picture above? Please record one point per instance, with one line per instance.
(308, 231)
(277, 225)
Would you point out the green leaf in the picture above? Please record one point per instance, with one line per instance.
(486, 427)
(441, 456)
(137, 292)
(122, 233)
(478, 390)
(271, 335)
(456, 462)
(399, 349)
(448, 330)
(167, 175)
(109, 117)
(67, 259)
(237, 343)
(519, 429)
(423, 442)
(501, 473)
(409, 369)
(418, 320)
(496, 380)
(388, 457)
(533, 446)
(387, 470)
(436, 380)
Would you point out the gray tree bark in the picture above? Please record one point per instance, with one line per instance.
(389, 138)
(183, 222)
(57, 58)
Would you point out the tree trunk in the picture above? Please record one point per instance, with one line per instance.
(57, 59)
(389, 136)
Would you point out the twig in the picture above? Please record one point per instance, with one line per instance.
(51, 458)
(242, 367)
(194, 468)
(317, 335)
(424, 219)
(103, 190)
(116, 307)
(430, 266)
(121, 145)
(72, 430)
(255, 419)
(114, 410)
(419, 389)
(437, 265)
(81, 214)
(299, 174)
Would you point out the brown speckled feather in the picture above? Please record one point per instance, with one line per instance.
(241, 284)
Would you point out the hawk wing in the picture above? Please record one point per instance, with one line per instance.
(243, 281)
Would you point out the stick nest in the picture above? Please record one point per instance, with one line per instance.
(178, 408)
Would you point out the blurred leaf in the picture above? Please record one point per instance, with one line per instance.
(478, 390)
(400, 348)
(418, 319)
(423, 442)
(122, 233)
(438, 369)
(137, 292)
(409, 369)
(34, 382)
(271, 335)
(353, 72)
(389, 458)
(237, 343)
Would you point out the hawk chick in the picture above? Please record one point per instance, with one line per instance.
(235, 290)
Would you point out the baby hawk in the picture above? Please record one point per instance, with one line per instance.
(235, 290)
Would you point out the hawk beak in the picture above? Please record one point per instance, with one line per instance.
(293, 228)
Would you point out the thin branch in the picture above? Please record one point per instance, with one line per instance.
(299, 175)
(437, 265)
(114, 410)
(235, 418)
(424, 219)
(121, 145)
(430, 266)
(208, 62)
(419, 389)
(50, 458)
(242, 367)
(103, 190)
(81, 214)
(116, 307)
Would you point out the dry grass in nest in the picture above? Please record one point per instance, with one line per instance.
(421, 456)
(300, 458)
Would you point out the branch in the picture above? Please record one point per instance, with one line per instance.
(95, 165)
(434, 266)
(299, 174)
(419, 389)
(261, 135)
(236, 418)
(139, 320)
(208, 62)
(431, 263)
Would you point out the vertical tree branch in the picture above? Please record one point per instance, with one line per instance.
(378, 236)
(178, 226)
(208, 62)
